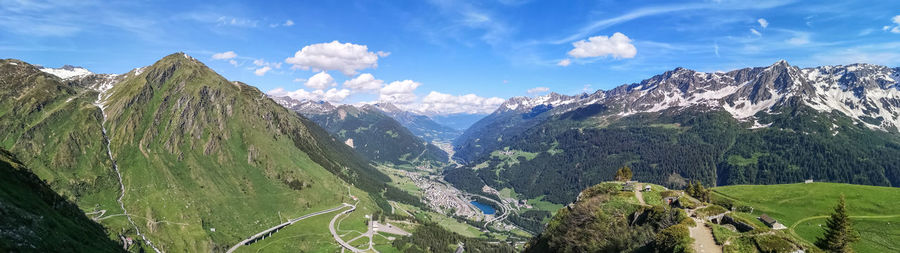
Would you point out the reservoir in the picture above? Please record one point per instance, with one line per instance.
(486, 209)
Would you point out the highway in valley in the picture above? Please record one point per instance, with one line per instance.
(268, 231)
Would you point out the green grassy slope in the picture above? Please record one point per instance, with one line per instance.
(55, 130)
(35, 218)
(205, 162)
(202, 152)
(803, 207)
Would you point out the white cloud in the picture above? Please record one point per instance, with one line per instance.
(399, 92)
(320, 81)
(564, 62)
(763, 22)
(893, 28)
(345, 57)
(436, 103)
(261, 62)
(537, 90)
(618, 46)
(298, 80)
(716, 48)
(233, 62)
(224, 56)
(333, 95)
(799, 39)
(262, 71)
(288, 23)
(364, 82)
(754, 31)
(238, 22)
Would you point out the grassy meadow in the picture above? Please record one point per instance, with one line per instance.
(803, 208)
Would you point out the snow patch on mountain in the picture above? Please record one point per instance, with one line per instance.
(867, 93)
(67, 71)
(306, 107)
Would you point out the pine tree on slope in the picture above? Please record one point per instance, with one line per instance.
(839, 233)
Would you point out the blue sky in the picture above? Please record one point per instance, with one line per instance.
(448, 56)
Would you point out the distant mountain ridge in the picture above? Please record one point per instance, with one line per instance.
(421, 125)
(369, 130)
(762, 125)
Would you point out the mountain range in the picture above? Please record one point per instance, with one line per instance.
(174, 155)
(762, 125)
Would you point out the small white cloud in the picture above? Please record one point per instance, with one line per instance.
(799, 39)
(618, 46)
(320, 81)
(238, 22)
(436, 103)
(564, 62)
(866, 31)
(893, 28)
(233, 62)
(262, 71)
(224, 56)
(288, 23)
(537, 90)
(348, 58)
(763, 22)
(754, 31)
(716, 48)
(333, 95)
(261, 62)
(298, 80)
(399, 92)
(364, 82)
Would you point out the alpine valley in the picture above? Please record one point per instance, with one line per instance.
(172, 157)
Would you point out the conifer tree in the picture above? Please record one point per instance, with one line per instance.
(839, 233)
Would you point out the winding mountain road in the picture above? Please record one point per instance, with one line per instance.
(334, 233)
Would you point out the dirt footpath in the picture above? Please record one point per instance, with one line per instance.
(703, 239)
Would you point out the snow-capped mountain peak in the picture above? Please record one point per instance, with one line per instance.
(304, 106)
(67, 71)
(865, 92)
